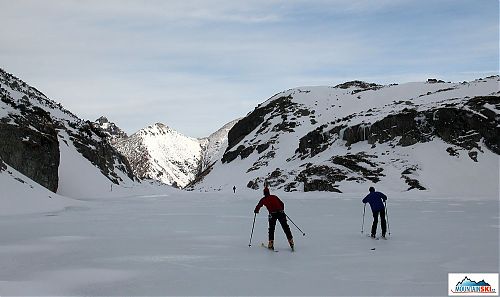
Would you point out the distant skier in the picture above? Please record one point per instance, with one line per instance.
(276, 209)
(376, 200)
(234, 189)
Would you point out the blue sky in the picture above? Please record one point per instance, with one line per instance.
(198, 64)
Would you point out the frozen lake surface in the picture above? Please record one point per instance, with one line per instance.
(185, 243)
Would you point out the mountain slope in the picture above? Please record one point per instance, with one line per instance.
(33, 128)
(342, 138)
(215, 145)
(160, 153)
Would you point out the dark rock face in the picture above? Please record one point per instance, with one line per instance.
(30, 130)
(360, 85)
(282, 108)
(33, 152)
(2, 165)
(112, 132)
(408, 125)
(99, 151)
(254, 119)
(463, 127)
(317, 141)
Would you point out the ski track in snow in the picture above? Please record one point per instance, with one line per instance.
(187, 243)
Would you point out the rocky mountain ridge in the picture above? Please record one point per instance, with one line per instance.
(33, 127)
(337, 138)
(160, 153)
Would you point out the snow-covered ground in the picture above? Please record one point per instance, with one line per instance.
(196, 243)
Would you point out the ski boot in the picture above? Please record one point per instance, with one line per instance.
(270, 245)
(290, 242)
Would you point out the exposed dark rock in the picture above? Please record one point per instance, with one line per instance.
(402, 124)
(262, 147)
(291, 187)
(354, 163)
(100, 152)
(357, 84)
(262, 161)
(453, 152)
(473, 155)
(321, 178)
(231, 155)
(255, 118)
(455, 125)
(3, 167)
(317, 141)
(29, 136)
(112, 132)
(246, 152)
(413, 183)
(254, 184)
(281, 108)
(33, 152)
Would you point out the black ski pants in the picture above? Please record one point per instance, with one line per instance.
(281, 217)
(382, 222)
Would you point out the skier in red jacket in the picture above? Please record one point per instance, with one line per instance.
(276, 209)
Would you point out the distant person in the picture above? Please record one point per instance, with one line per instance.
(234, 189)
(376, 200)
(276, 209)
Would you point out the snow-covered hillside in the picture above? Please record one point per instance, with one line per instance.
(35, 132)
(424, 135)
(160, 153)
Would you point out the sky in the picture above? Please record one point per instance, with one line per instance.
(195, 65)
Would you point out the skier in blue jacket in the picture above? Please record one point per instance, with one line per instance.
(376, 200)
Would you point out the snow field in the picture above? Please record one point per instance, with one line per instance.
(191, 243)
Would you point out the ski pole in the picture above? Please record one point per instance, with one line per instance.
(387, 218)
(251, 235)
(363, 224)
(303, 234)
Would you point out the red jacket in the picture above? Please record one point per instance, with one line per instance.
(272, 203)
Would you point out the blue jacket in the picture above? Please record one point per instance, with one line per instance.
(376, 200)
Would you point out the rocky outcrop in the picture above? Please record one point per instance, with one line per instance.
(28, 142)
(280, 115)
(99, 151)
(2, 165)
(30, 127)
(111, 130)
(462, 125)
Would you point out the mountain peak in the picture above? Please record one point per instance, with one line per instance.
(112, 131)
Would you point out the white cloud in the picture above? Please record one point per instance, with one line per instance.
(181, 61)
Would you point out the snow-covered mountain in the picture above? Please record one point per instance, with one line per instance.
(113, 132)
(160, 153)
(424, 135)
(46, 143)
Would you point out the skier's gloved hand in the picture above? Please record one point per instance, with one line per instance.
(255, 211)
